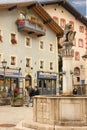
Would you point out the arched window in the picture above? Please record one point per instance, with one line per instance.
(28, 81)
(77, 71)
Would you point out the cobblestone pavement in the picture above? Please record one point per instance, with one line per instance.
(12, 115)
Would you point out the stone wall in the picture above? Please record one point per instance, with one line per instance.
(60, 111)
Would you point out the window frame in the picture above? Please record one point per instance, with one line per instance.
(41, 67)
(30, 46)
(79, 44)
(77, 53)
(13, 63)
(64, 21)
(13, 39)
(30, 62)
(40, 45)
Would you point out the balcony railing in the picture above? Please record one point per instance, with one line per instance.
(30, 28)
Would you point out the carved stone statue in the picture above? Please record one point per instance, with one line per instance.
(69, 34)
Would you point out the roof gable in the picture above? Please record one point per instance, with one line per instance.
(69, 8)
(36, 6)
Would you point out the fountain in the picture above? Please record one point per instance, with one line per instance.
(64, 112)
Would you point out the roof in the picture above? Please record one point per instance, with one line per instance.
(37, 7)
(68, 7)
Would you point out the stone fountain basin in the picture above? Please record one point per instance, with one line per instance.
(63, 110)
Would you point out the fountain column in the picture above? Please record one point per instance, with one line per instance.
(67, 77)
(67, 55)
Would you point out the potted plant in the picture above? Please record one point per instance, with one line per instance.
(20, 22)
(13, 41)
(17, 99)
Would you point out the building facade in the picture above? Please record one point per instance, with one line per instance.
(27, 42)
(62, 12)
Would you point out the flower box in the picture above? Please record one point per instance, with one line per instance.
(13, 41)
(20, 22)
(17, 101)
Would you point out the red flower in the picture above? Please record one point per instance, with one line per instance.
(20, 22)
(13, 41)
(16, 90)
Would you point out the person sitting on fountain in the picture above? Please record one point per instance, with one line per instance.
(75, 92)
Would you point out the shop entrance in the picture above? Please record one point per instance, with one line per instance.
(28, 81)
(46, 83)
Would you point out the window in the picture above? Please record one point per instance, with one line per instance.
(55, 19)
(51, 47)
(62, 23)
(78, 79)
(80, 42)
(28, 41)
(13, 38)
(77, 56)
(0, 37)
(72, 23)
(51, 65)
(13, 60)
(81, 29)
(41, 45)
(77, 71)
(28, 60)
(41, 64)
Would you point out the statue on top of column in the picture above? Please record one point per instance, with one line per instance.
(69, 34)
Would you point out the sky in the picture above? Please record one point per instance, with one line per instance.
(80, 5)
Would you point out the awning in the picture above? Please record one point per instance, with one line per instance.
(13, 76)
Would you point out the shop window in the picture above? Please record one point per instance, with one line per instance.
(41, 64)
(62, 23)
(28, 41)
(55, 19)
(28, 60)
(72, 23)
(13, 38)
(81, 29)
(1, 36)
(13, 60)
(77, 56)
(51, 65)
(42, 83)
(80, 43)
(41, 45)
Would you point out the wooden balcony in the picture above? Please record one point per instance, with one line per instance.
(30, 28)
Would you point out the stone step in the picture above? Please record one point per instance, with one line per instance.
(20, 126)
(23, 125)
